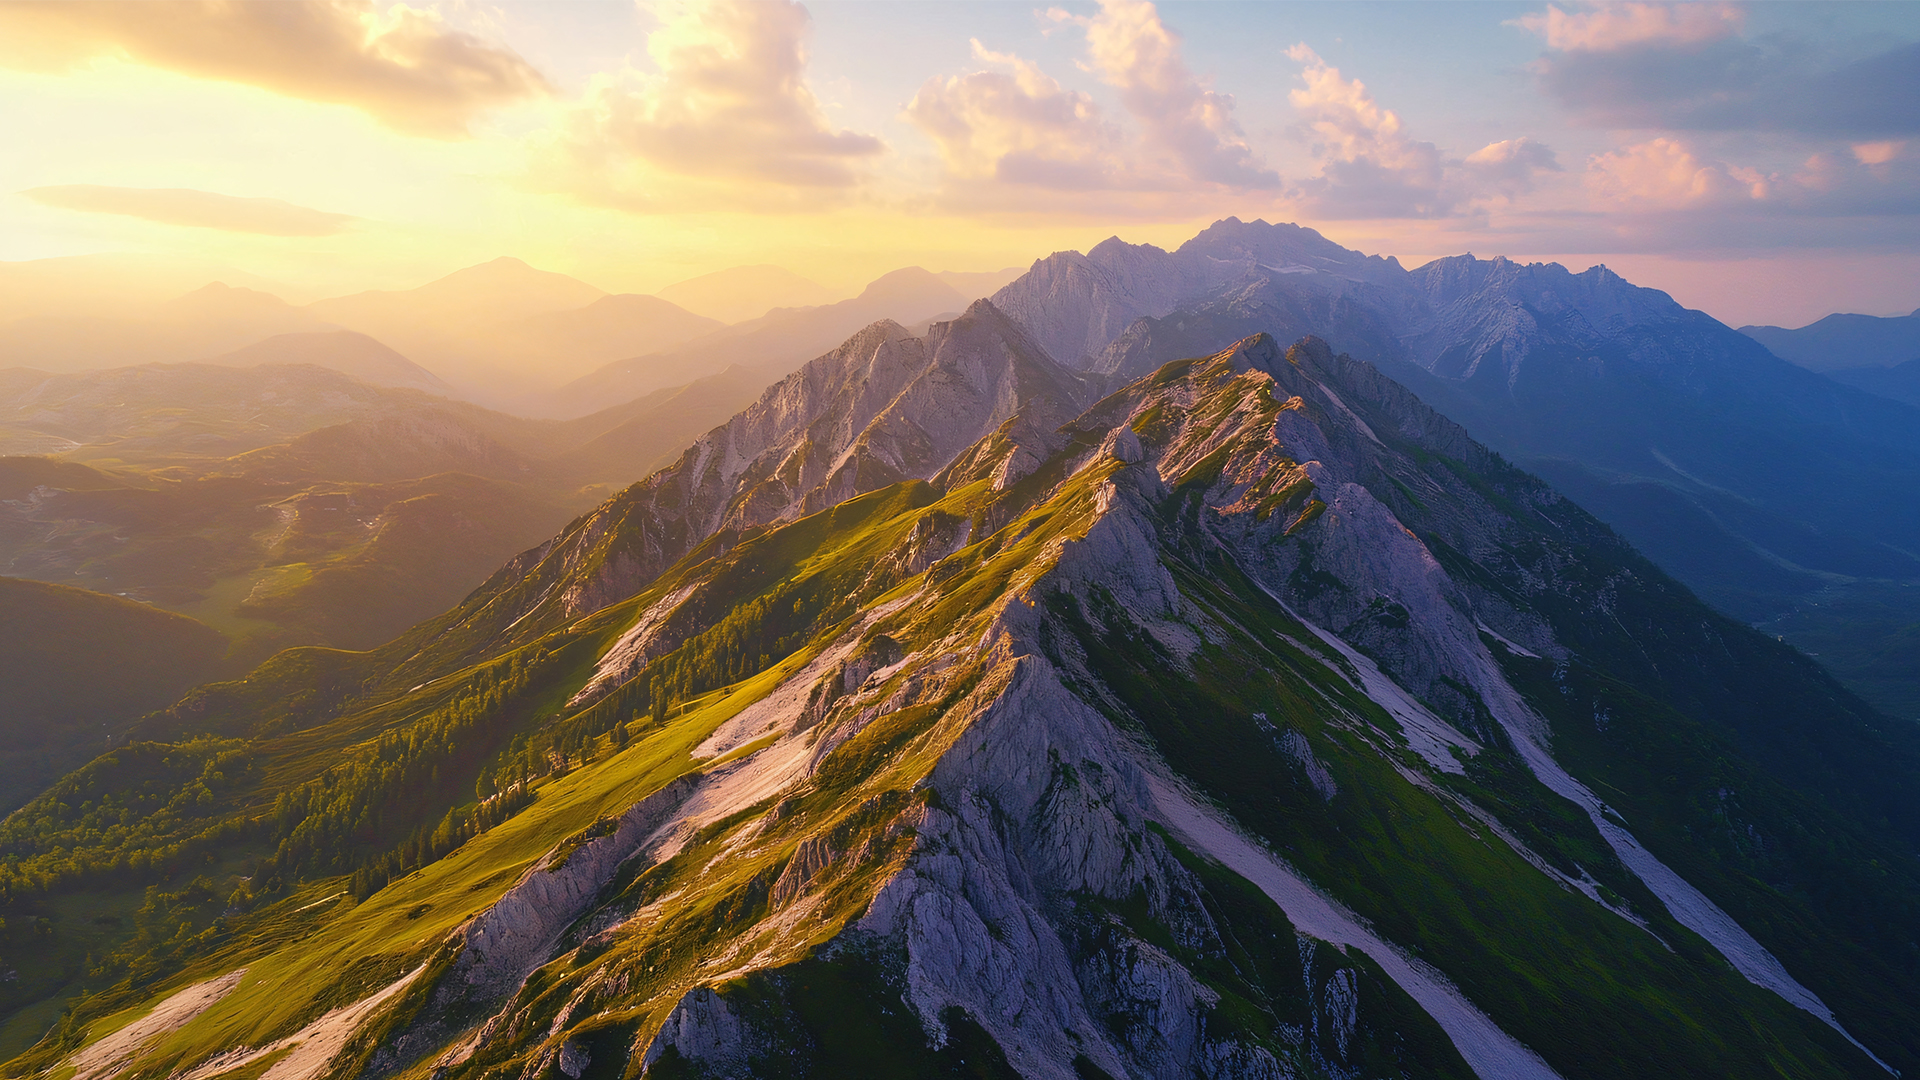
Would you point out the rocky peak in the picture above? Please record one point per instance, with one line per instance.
(1604, 301)
(883, 407)
(1284, 246)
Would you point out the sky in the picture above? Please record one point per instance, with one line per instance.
(1761, 162)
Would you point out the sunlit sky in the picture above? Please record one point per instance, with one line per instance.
(1761, 162)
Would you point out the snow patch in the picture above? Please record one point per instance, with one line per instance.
(1512, 647)
(619, 663)
(1426, 734)
(311, 1049)
(1687, 904)
(110, 1056)
(1492, 1053)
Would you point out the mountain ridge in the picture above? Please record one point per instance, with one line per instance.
(1840, 342)
(1086, 754)
(951, 710)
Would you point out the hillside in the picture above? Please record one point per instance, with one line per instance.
(740, 293)
(212, 319)
(564, 345)
(77, 668)
(344, 351)
(1840, 342)
(1901, 382)
(770, 346)
(289, 504)
(1252, 720)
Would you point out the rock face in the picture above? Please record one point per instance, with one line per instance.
(997, 823)
(1075, 305)
(1685, 435)
(882, 408)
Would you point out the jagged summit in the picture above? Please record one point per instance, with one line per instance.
(1607, 302)
(882, 408)
(1284, 245)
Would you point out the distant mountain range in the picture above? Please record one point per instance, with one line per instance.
(1693, 440)
(344, 351)
(1879, 355)
(502, 333)
(1699, 446)
(771, 345)
(1844, 342)
(742, 293)
(292, 504)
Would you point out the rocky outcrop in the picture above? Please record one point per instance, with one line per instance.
(882, 408)
(1076, 305)
(518, 932)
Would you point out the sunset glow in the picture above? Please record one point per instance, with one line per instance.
(331, 147)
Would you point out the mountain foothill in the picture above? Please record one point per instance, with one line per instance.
(1254, 659)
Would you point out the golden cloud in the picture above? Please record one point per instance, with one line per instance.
(1607, 27)
(195, 209)
(728, 101)
(401, 66)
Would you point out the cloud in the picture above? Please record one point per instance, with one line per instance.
(728, 100)
(196, 209)
(1665, 174)
(1181, 119)
(1878, 153)
(1687, 67)
(1617, 26)
(1667, 179)
(400, 65)
(1010, 136)
(1370, 167)
(1017, 126)
(1511, 166)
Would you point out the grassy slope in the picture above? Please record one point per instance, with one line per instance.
(78, 666)
(299, 717)
(275, 564)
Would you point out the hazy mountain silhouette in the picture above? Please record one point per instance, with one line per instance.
(772, 345)
(345, 351)
(560, 346)
(741, 293)
(1840, 342)
(210, 320)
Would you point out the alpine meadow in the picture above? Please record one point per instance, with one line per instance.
(749, 539)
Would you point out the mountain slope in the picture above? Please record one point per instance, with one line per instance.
(1248, 723)
(1901, 382)
(740, 293)
(1075, 304)
(1838, 342)
(209, 320)
(339, 350)
(568, 344)
(452, 324)
(77, 667)
(772, 345)
(881, 408)
(505, 288)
